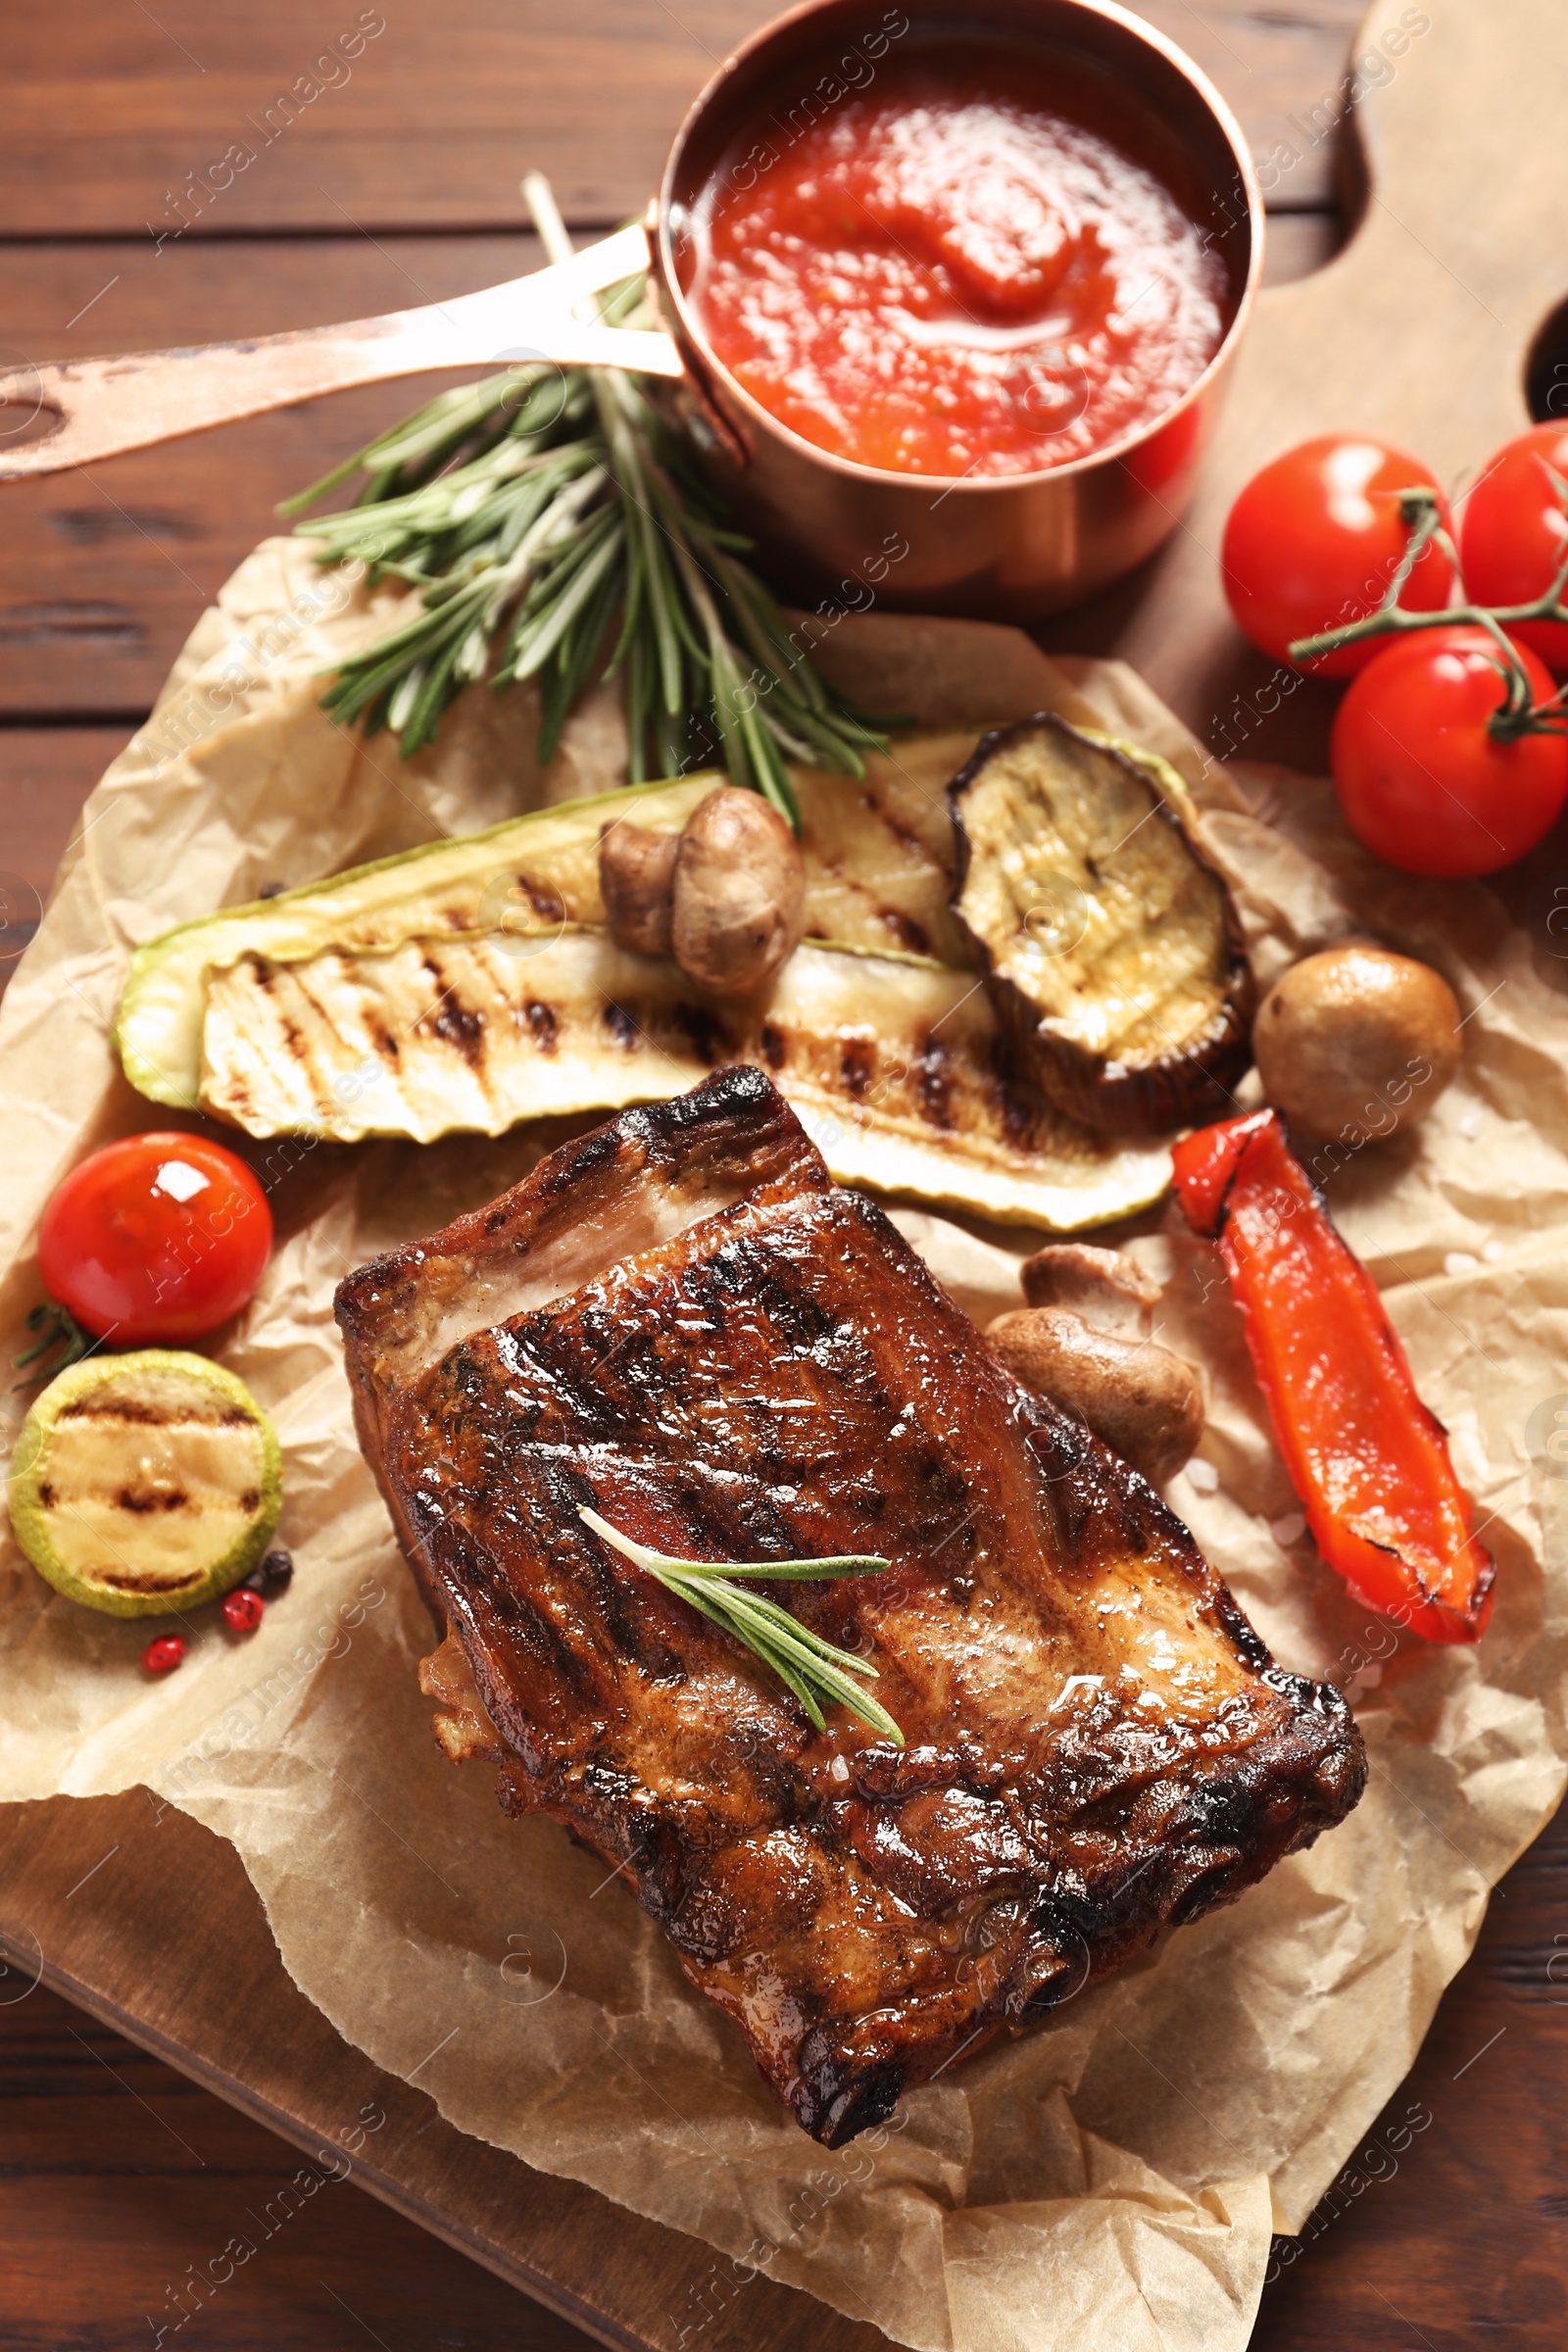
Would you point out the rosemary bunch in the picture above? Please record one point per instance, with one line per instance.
(549, 520)
(806, 1664)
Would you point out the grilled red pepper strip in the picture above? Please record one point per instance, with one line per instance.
(1369, 1462)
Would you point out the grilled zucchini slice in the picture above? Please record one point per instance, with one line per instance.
(878, 870)
(472, 984)
(1111, 950)
(145, 1483)
(893, 1064)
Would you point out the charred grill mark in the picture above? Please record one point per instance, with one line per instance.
(902, 831)
(547, 902)
(620, 1599)
(910, 935)
(294, 1039)
(1019, 1115)
(567, 1379)
(773, 1046)
(701, 1029)
(621, 1024)
(461, 1027)
(560, 1175)
(385, 1043)
(936, 1083)
(129, 1500)
(542, 1024)
(129, 1409)
(856, 1066)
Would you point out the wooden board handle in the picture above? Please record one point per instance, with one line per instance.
(106, 407)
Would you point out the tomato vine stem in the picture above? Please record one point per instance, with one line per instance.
(1518, 713)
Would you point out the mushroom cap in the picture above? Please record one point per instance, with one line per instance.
(1146, 1402)
(1354, 1034)
(738, 900)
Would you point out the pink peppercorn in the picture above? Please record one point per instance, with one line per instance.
(243, 1609)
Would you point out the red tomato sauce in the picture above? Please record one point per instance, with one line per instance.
(962, 269)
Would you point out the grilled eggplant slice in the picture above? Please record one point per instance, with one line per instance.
(1111, 950)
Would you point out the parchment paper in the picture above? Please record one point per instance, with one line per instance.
(1113, 2180)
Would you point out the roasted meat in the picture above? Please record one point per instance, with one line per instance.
(682, 1322)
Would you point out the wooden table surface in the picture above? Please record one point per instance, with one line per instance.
(394, 181)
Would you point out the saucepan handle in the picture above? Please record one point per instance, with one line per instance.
(106, 407)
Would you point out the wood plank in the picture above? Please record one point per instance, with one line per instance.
(108, 569)
(1468, 2136)
(242, 2027)
(45, 775)
(433, 121)
(1450, 2227)
(108, 2148)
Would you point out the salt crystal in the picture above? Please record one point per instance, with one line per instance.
(1460, 1262)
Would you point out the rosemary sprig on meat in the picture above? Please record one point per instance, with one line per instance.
(550, 522)
(811, 1667)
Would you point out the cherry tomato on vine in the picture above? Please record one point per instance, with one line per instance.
(1314, 539)
(1422, 780)
(1513, 533)
(159, 1238)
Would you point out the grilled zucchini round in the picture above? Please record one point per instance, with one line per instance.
(146, 1482)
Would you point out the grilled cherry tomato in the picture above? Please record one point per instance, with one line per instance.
(1313, 541)
(1421, 778)
(1513, 533)
(159, 1238)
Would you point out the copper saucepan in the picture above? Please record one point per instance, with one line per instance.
(1009, 547)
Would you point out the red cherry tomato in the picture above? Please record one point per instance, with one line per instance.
(157, 1239)
(1513, 533)
(1314, 540)
(1421, 780)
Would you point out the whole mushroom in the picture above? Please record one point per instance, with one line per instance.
(1083, 1341)
(738, 900)
(1105, 1285)
(1356, 1037)
(636, 872)
(1146, 1402)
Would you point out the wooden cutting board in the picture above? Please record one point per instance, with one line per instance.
(1422, 331)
